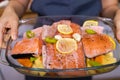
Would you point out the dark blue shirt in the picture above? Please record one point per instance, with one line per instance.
(67, 7)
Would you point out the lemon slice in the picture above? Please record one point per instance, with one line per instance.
(112, 40)
(90, 23)
(66, 45)
(64, 29)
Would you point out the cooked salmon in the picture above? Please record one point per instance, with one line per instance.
(28, 46)
(37, 32)
(58, 60)
(48, 31)
(96, 44)
(53, 59)
(89, 46)
(97, 29)
(75, 27)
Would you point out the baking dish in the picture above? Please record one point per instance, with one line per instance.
(30, 23)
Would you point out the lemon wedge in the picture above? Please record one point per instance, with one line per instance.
(112, 40)
(66, 45)
(64, 29)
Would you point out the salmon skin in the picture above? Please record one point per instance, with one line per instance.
(28, 46)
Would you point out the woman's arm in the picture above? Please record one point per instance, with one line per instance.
(10, 17)
(111, 10)
(19, 6)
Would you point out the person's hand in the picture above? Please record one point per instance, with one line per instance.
(8, 21)
(117, 24)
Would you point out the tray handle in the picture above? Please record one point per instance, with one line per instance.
(2, 57)
(3, 49)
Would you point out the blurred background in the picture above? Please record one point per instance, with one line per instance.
(8, 73)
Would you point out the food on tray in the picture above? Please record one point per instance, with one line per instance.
(64, 29)
(97, 44)
(90, 23)
(25, 62)
(101, 60)
(66, 45)
(26, 46)
(39, 64)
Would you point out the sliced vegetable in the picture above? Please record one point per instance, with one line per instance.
(32, 59)
(107, 58)
(94, 63)
(38, 64)
(25, 62)
(50, 40)
(90, 31)
(30, 34)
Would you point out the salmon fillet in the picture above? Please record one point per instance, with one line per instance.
(37, 32)
(75, 27)
(48, 31)
(56, 60)
(53, 59)
(96, 44)
(27, 46)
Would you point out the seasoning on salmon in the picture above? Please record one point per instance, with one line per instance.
(37, 32)
(53, 59)
(96, 44)
(28, 46)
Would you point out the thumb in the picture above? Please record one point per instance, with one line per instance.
(117, 24)
(14, 30)
(118, 30)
